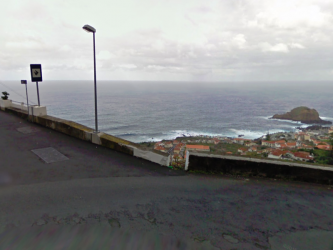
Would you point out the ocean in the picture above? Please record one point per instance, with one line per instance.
(151, 111)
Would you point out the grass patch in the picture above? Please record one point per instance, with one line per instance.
(231, 147)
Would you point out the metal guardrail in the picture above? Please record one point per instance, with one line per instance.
(20, 105)
(18, 102)
(23, 103)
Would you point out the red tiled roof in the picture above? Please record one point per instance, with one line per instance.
(177, 148)
(280, 141)
(276, 153)
(304, 155)
(325, 147)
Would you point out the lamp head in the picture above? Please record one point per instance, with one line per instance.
(88, 28)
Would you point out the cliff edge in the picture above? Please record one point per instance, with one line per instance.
(302, 114)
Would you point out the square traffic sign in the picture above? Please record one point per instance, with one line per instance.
(36, 72)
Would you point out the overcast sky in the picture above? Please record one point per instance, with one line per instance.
(229, 40)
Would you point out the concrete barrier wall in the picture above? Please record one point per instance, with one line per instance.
(87, 134)
(35, 110)
(259, 167)
(5, 104)
(19, 106)
(67, 127)
(117, 144)
(154, 156)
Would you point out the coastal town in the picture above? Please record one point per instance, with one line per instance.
(312, 145)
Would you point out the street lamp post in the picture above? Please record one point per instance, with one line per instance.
(88, 28)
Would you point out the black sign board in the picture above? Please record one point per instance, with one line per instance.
(23, 81)
(36, 72)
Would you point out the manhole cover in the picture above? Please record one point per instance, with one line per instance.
(49, 155)
(27, 130)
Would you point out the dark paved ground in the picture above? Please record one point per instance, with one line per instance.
(86, 160)
(101, 199)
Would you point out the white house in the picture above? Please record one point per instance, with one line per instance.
(242, 150)
(276, 154)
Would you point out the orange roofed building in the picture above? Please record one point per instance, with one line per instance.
(324, 147)
(303, 156)
(175, 142)
(197, 147)
(291, 144)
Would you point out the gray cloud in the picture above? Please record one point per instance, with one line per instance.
(215, 40)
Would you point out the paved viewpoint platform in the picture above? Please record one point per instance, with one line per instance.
(59, 192)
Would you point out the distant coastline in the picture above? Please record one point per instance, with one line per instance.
(203, 136)
(139, 111)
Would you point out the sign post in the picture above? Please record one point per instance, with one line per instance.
(26, 91)
(36, 76)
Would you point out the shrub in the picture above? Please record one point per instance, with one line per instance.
(5, 95)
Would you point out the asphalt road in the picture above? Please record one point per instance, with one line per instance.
(102, 199)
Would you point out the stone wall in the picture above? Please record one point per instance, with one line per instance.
(259, 167)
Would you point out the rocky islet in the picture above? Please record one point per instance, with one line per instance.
(302, 114)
